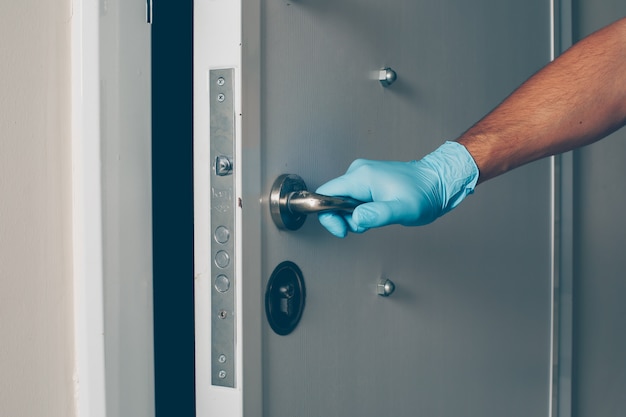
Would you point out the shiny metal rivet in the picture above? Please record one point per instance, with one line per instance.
(385, 288)
(221, 374)
(222, 259)
(220, 81)
(222, 283)
(222, 314)
(222, 234)
(221, 97)
(387, 76)
(221, 359)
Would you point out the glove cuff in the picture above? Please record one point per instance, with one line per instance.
(458, 173)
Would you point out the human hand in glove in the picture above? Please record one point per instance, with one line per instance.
(408, 193)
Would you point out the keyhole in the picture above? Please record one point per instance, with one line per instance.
(284, 298)
(286, 302)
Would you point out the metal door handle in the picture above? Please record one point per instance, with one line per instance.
(290, 202)
(306, 202)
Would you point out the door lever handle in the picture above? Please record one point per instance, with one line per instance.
(291, 202)
(306, 202)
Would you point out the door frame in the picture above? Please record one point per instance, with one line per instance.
(111, 209)
(87, 212)
(217, 45)
(562, 248)
(237, 24)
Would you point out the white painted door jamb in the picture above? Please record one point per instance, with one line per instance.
(217, 44)
(89, 379)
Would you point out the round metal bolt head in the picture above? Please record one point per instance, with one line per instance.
(387, 76)
(385, 288)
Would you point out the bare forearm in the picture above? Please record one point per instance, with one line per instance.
(575, 100)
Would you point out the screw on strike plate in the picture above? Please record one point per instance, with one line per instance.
(221, 374)
(220, 81)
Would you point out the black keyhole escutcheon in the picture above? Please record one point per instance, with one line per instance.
(284, 298)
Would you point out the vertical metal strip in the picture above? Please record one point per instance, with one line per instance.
(223, 233)
(562, 174)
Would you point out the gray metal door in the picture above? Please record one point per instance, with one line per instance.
(467, 331)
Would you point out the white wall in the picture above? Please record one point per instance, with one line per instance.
(36, 324)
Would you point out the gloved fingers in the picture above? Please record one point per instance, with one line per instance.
(353, 226)
(383, 213)
(375, 214)
(345, 186)
(339, 225)
(334, 223)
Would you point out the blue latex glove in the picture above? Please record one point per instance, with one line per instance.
(408, 193)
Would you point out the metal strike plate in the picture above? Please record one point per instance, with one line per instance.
(222, 194)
